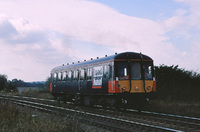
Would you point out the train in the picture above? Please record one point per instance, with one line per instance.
(121, 80)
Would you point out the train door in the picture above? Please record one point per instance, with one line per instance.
(141, 76)
(82, 80)
(137, 81)
(59, 82)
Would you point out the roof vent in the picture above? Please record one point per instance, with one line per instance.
(63, 64)
(97, 57)
(67, 63)
(106, 55)
(116, 53)
(72, 62)
(91, 58)
(78, 61)
(84, 60)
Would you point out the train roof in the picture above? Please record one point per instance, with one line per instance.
(116, 57)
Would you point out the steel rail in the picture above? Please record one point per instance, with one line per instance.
(144, 112)
(167, 115)
(171, 115)
(39, 105)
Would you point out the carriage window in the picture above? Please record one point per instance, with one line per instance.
(64, 76)
(82, 74)
(75, 75)
(148, 71)
(105, 71)
(54, 77)
(59, 76)
(89, 74)
(123, 71)
(136, 71)
(69, 75)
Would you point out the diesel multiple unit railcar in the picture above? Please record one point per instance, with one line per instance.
(122, 80)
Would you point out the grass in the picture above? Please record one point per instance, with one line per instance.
(189, 108)
(34, 93)
(174, 107)
(12, 120)
(37, 94)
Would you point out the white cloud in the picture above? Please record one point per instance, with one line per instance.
(79, 20)
(192, 17)
(183, 30)
(42, 33)
(89, 21)
(26, 50)
(57, 44)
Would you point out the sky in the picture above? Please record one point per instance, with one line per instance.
(36, 36)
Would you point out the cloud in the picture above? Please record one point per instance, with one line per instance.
(90, 21)
(183, 30)
(17, 33)
(45, 32)
(188, 17)
(6, 29)
(27, 51)
(42, 35)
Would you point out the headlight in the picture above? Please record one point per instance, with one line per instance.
(136, 88)
(124, 88)
(149, 88)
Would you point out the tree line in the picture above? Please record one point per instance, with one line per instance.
(11, 85)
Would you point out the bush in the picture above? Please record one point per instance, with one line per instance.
(10, 87)
(3, 80)
(174, 83)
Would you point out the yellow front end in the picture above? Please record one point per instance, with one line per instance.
(137, 86)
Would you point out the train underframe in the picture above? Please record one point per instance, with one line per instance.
(122, 100)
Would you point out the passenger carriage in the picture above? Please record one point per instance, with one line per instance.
(121, 80)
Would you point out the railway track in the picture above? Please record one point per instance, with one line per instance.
(112, 120)
(176, 119)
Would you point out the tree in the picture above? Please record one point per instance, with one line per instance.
(47, 82)
(3, 81)
(10, 86)
(19, 83)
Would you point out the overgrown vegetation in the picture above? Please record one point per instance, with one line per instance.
(174, 83)
(42, 93)
(14, 121)
(174, 107)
